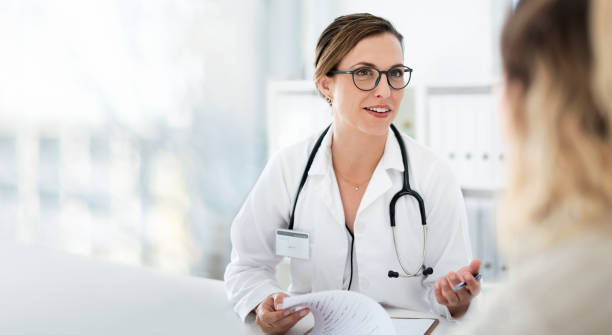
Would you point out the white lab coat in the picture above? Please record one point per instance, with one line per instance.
(250, 276)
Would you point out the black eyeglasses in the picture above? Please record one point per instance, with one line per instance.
(367, 78)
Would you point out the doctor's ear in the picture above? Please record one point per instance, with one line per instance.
(325, 87)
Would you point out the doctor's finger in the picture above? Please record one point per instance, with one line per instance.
(454, 278)
(267, 304)
(448, 293)
(465, 274)
(464, 295)
(474, 266)
(438, 293)
(473, 286)
(272, 317)
(290, 320)
(278, 300)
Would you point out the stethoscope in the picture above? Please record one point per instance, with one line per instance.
(422, 270)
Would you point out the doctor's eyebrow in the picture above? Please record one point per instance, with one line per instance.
(372, 65)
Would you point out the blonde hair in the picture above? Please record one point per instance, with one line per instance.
(559, 54)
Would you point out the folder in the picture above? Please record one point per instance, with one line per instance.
(414, 325)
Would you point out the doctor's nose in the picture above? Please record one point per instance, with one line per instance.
(382, 90)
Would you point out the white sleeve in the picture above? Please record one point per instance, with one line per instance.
(448, 242)
(251, 274)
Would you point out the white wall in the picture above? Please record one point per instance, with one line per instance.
(450, 42)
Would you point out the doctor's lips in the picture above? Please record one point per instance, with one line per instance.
(379, 110)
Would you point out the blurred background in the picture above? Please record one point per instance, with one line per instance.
(132, 131)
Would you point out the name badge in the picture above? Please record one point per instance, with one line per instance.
(291, 243)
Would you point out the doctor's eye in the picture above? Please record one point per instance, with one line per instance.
(364, 72)
(396, 73)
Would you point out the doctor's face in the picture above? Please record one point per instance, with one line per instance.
(370, 112)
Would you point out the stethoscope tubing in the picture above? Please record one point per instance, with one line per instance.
(406, 190)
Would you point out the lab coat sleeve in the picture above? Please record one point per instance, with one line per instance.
(251, 274)
(448, 239)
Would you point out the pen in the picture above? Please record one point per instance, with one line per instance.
(462, 284)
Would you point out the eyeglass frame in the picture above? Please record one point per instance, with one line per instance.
(380, 73)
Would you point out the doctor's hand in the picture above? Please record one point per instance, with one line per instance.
(273, 320)
(459, 301)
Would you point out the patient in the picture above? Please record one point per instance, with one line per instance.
(556, 216)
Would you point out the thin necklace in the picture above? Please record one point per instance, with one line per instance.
(356, 186)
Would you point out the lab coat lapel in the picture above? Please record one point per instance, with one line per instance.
(378, 185)
(327, 189)
(381, 182)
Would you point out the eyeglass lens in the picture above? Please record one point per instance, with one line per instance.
(365, 78)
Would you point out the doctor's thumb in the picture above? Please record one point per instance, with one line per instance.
(278, 301)
(475, 266)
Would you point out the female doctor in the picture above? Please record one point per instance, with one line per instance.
(358, 206)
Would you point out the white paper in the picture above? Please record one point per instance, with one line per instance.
(412, 326)
(343, 312)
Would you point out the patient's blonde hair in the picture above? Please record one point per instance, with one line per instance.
(558, 53)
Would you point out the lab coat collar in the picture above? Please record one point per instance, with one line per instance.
(322, 163)
(392, 157)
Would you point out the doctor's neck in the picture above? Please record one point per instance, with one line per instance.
(356, 154)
